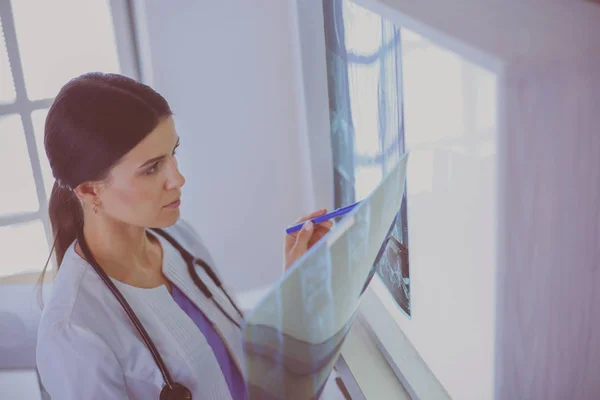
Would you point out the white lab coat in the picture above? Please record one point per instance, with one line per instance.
(88, 348)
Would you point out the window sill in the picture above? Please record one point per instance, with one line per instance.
(27, 278)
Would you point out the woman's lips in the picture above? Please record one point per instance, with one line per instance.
(174, 204)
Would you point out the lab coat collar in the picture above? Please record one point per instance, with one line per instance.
(175, 270)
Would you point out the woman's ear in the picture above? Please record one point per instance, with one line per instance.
(88, 193)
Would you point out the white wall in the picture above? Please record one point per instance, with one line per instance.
(228, 70)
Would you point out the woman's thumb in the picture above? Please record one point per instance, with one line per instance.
(303, 238)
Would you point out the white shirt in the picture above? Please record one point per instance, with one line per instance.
(88, 348)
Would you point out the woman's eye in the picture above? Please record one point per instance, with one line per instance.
(153, 169)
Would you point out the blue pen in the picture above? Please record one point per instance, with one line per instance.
(322, 218)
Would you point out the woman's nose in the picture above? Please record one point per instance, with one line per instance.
(175, 179)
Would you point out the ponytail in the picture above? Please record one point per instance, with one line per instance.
(66, 218)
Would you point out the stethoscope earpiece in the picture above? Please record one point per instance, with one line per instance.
(176, 392)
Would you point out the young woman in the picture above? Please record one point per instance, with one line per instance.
(137, 311)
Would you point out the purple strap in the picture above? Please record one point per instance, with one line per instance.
(234, 379)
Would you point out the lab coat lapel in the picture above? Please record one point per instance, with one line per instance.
(176, 270)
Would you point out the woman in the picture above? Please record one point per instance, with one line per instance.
(114, 209)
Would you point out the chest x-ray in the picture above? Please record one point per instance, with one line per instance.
(292, 339)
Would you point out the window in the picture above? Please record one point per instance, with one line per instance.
(43, 45)
(364, 72)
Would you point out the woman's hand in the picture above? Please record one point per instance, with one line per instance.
(297, 243)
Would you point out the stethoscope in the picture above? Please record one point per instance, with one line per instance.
(172, 390)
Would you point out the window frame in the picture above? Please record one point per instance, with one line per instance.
(125, 35)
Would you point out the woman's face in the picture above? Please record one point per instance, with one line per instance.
(143, 189)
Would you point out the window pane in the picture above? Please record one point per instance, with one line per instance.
(18, 192)
(364, 37)
(24, 248)
(59, 40)
(363, 85)
(38, 118)
(433, 77)
(7, 86)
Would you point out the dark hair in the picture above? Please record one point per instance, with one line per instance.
(94, 120)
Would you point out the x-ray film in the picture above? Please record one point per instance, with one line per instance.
(293, 337)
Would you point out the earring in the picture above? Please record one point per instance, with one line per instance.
(95, 208)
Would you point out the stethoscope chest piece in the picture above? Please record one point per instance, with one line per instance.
(176, 392)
